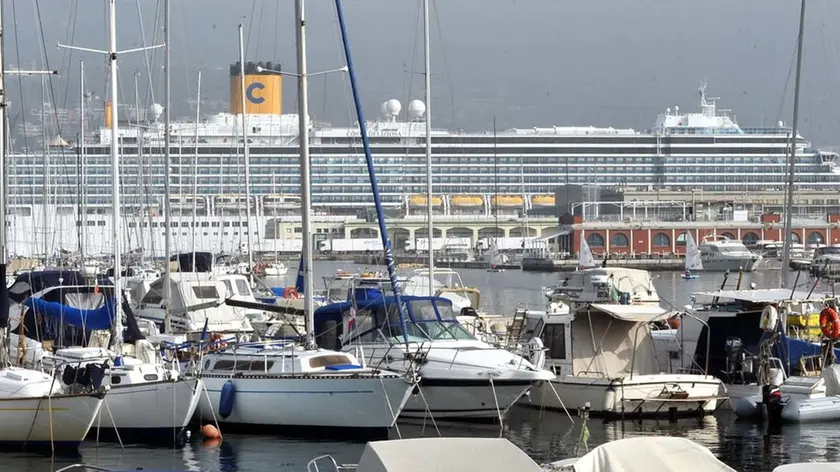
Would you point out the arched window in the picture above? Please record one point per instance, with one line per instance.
(661, 240)
(815, 238)
(595, 240)
(750, 239)
(729, 236)
(619, 240)
(682, 238)
(794, 238)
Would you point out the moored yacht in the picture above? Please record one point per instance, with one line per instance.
(603, 353)
(460, 376)
(720, 253)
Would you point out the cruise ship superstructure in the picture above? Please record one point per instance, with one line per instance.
(703, 149)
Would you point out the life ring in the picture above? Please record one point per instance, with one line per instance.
(290, 292)
(769, 318)
(830, 323)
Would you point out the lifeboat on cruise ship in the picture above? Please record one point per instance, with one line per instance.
(543, 201)
(281, 202)
(420, 201)
(230, 202)
(187, 201)
(507, 201)
(467, 201)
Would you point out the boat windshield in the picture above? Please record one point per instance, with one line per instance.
(428, 320)
(437, 320)
(833, 250)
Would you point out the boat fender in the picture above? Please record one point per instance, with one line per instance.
(769, 318)
(830, 323)
(226, 399)
(609, 399)
(536, 352)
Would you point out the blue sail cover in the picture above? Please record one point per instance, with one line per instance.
(299, 282)
(96, 319)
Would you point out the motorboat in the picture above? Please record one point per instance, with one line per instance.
(603, 353)
(438, 454)
(309, 392)
(826, 260)
(720, 253)
(643, 454)
(275, 269)
(809, 467)
(447, 284)
(460, 376)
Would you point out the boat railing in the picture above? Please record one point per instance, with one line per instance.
(312, 466)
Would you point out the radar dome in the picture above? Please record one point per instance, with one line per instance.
(155, 110)
(393, 107)
(416, 109)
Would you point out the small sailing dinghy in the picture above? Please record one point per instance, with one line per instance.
(586, 259)
(692, 258)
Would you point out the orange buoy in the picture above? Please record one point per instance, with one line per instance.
(209, 432)
(674, 322)
(830, 323)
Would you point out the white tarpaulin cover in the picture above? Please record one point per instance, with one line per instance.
(640, 313)
(809, 467)
(445, 455)
(651, 454)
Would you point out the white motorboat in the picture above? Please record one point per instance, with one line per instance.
(303, 391)
(644, 454)
(720, 253)
(36, 414)
(809, 467)
(198, 301)
(275, 269)
(603, 353)
(460, 376)
(438, 454)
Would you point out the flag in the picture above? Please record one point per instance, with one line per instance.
(351, 322)
(96, 287)
(584, 435)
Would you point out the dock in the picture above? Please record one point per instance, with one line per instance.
(529, 265)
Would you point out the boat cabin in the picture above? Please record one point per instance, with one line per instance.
(606, 285)
(379, 322)
(277, 357)
(599, 339)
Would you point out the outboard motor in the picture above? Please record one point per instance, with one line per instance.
(771, 396)
(735, 357)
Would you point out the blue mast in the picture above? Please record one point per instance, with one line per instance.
(380, 215)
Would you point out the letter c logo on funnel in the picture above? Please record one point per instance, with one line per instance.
(249, 92)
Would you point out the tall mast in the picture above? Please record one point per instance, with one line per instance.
(245, 148)
(306, 193)
(788, 226)
(195, 170)
(167, 208)
(139, 187)
(4, 300)
(115, 172)
(428, 91)
(83, 163)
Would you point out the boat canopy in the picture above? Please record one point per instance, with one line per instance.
(771, 295)
(636, 313)
(203, 261)
(92, 319)
(659, 453)
(30, 283)
(411, 455)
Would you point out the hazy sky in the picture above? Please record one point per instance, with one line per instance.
(526, 62)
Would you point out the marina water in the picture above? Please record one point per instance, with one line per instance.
(544, 435)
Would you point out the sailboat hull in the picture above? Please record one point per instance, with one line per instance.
(59, 423)
(152, 412)
(465, 399)
(335, 405)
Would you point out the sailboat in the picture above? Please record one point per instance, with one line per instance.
(494, 256)
(692, 258)
(289, 385)
(585, 259)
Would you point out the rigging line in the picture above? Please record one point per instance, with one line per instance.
(787, 82)
(250, 25)
(445, 60)
(20, 78)
(68, 54)
(143, 43)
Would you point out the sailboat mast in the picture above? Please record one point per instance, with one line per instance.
(167, 213)
(246, 151)
(4, 298)
(428, 99)
(115, 171)
(140, 238)
(495, 204)
(792, 152)
(83, 163)
(305, 191)
(195, 170)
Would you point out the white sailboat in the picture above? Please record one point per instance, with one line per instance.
(586, 259)
(35, 412)
(285, 385)
(693, 261)
(151, 402)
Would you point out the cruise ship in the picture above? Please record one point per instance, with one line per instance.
(475, 172)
